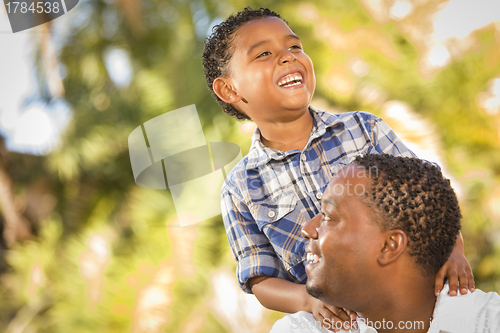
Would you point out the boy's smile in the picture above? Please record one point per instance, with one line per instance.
(270, 71)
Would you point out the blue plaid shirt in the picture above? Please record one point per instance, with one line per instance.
(270, 194)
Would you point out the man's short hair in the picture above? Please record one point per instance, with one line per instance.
(412, 195)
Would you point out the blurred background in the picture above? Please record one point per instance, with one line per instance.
(84, 249)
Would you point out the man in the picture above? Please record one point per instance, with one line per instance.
(387, 224)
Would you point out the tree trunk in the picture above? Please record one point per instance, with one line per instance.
(16, 226)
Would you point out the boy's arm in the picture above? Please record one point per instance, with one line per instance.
(251, 248)
(285, 296)
(457, 269)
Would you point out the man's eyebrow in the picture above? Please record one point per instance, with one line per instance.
(267, 41)
(325, 202)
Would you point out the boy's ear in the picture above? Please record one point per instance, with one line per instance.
(394, 245)
(225, 90)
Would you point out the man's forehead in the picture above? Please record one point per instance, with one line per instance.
(351, 172)
(351, 180)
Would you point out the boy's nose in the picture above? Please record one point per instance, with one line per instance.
(287, 57)
(310, 229)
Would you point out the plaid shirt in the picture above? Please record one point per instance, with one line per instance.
(270, 194)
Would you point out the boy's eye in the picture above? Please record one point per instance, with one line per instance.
(295, 47)
(263, 54)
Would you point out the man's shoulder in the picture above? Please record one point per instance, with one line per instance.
(480, 297)
(486, 301)
(473, 312)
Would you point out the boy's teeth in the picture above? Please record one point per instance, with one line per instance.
(290, 80)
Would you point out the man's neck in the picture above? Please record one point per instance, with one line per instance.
(411, 312)
(289, 135)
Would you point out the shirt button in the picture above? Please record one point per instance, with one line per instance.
(319, 195)
(303, 157)
(271, 214)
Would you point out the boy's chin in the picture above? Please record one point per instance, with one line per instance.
(298, 107)
(298, 102)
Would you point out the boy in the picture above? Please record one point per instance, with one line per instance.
(256, 68)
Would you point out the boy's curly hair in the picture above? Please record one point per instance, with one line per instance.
(412, 195)
(218, 51)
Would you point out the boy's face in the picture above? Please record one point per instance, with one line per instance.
(267, 58)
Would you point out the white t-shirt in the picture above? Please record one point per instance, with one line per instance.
(476, 312)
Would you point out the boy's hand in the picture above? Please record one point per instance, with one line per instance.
(331, 317)
(458, 272)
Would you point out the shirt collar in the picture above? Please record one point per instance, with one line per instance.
(260, 154)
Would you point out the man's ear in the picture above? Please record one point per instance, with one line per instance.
(395, 244)
(225, 90)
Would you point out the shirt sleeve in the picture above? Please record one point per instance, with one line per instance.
(251, 248)
(387, 142)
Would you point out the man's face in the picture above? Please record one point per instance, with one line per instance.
(343, 242)
(267, 57)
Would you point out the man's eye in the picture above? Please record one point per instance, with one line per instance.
(263, 54)
(325, 218)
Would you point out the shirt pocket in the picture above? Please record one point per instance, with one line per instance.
(275, 208)
(279, 219)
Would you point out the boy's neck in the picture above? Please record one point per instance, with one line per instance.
(285, 136)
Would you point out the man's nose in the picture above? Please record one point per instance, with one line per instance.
(310, 229)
